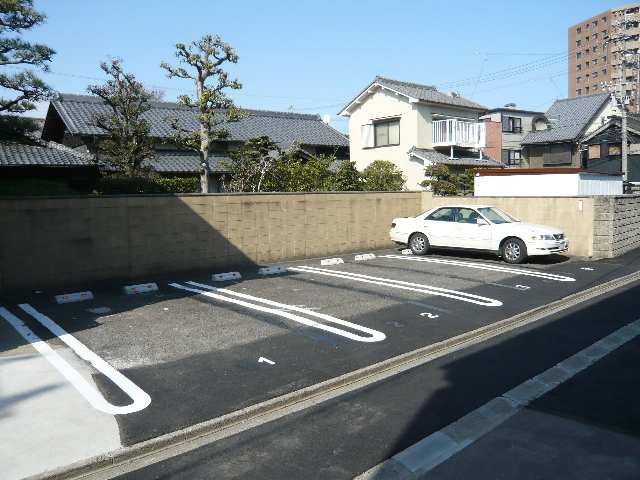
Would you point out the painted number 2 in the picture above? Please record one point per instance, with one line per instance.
(429, 315)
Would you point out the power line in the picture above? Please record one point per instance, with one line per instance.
(502, 74)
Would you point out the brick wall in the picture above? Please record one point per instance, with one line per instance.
(49, 242)
(494, 140)
(616, 225)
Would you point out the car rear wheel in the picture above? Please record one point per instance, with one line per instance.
(514, 251)
(419, 244)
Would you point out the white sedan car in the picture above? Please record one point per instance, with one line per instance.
(477, 227)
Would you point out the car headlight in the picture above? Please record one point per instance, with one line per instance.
(542, 237)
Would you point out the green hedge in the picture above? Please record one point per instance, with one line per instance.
(36, 186)
(118, 184)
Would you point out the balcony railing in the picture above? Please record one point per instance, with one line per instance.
(458, 133)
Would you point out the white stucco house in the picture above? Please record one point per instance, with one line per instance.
(412, 125)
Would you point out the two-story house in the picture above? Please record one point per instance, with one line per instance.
(569, 121)
(413, 125)
(506, 127)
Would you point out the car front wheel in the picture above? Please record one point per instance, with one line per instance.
(514, 251)
(419, 244)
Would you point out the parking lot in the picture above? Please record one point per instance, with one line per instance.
(196, 349)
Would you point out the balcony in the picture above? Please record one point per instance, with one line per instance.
(458, 133)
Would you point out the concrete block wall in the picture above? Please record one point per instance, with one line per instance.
(616, 225)
(50, 242)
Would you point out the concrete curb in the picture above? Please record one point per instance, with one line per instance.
(438, 447)
(166, 446)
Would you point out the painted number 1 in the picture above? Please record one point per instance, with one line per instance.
(429, 315)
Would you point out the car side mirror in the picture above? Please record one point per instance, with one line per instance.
(481, 221)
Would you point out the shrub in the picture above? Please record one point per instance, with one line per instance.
(442, 181)
(36, 186)
(125, 185)
(382, 175)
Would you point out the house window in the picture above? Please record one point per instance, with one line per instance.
(387, 133)
(511, 157)
(579, 91)
(586, 89)
(512, 124)
(578, 43)
(557, 154)
(579, 67)
(578, 30)
(578, 55)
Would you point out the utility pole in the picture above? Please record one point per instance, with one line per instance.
(625, 148)
(618, 89)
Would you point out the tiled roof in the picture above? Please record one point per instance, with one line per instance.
(426, 93)
(167, 161)
(567, 119)
(45, 154)
(420, 92)
(78, 113)
(466, 161)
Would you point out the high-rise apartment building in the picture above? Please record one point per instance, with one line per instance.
(594, 59)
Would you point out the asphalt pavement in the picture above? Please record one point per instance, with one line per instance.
(218, 347)
(345, 437)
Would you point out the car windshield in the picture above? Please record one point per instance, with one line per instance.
(496, 216)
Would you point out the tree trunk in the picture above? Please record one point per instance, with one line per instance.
(204, 141)
(204, 172)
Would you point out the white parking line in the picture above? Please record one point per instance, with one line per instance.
(373, 335)
(415, 287)
(484, 266)
(140, 398)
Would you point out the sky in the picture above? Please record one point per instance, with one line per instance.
(316, 56)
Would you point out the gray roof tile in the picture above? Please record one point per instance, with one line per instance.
(568, 118)
(423, 93)
(426, 93)
(78, 113)
(168, 161)
(437, 157)
(45, 154)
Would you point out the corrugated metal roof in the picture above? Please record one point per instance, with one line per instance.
(568, 118)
